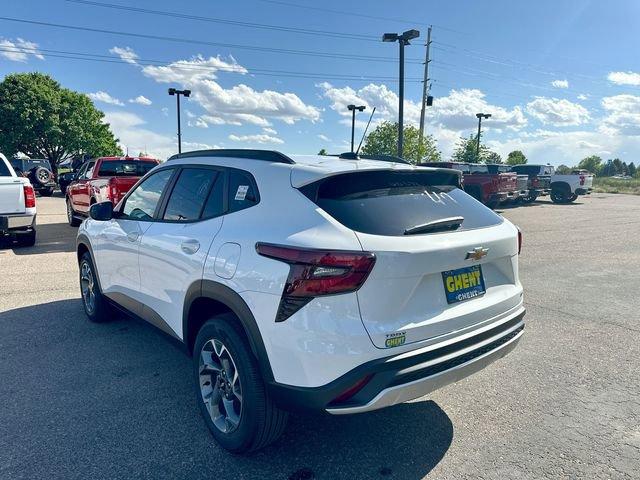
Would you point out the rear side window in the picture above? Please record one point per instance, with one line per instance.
(190, 194)
(119, 168)
(390, 203)
(242, 191)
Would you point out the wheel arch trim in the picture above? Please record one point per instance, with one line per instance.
(218, 292)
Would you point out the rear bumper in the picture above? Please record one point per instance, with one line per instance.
(397, 379)
(11, 223)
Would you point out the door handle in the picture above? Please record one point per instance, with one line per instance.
(190, 246)
(133, 236)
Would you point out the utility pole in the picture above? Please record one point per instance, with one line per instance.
(480, 116)
(177, 93)
(402, 39)
(353, 109)
(425, 86)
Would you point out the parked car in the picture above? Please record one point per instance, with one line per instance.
(539, 180)
(38, 171)
(488, 188)
(306, 282)
(103, 179)
(567, 188)
(522, 182)
(17, 205)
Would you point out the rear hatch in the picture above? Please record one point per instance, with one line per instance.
(423, 251)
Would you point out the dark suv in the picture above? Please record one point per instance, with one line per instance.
(38, 171)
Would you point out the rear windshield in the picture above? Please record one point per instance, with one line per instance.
(389, 203)
(119, 168)
(4, 170)
(478, 169)
(498, 168)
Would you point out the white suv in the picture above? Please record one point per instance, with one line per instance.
(307, 282)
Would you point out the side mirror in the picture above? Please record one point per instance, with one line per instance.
(102, 211)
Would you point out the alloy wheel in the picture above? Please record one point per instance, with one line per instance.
(87, 287)
(220, 386)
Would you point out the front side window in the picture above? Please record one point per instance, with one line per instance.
(142, 202)
(89, 171)
(4, 169)
(190, 193)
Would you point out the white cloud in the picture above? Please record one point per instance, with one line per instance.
(324, 138)
(129, 129)
(258, 138)
(237, 105)
(456, 111)
(270, 131)
(187, 146)
(141, 100)
(18, 50)
(125, 53)
(623, 115)
(557, 112)
(104, 97)
(198, 122)
(582, 96)
(624, 78)
(560, 83)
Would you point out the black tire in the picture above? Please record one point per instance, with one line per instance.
(71, 217)
(530, 198)
(27, 239)
(46, 192)
(559, 196)
(259, 421)
(42, 175)
(99, 310)
(492, 204)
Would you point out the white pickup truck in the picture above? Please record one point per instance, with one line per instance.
(566, 188)
(17, 206)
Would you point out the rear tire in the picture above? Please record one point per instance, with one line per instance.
(27, 239)
(95, 304)
(559, 196)
(230, 391)
(530, 198)
(71, 218)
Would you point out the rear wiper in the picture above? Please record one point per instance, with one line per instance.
(451, 223)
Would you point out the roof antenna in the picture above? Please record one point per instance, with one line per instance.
(365, 131)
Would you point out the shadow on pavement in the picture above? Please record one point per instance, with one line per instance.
(116, 400)
(50, 238)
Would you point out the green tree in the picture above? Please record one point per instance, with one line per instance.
(592, 163)
(323, 151)
(632, 169)
(608, 170)
(384, 141)
(466, 152)
(563, 170)
(617, 164)
(40, 119)
(516, 158)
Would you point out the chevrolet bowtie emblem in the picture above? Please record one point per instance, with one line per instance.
(477, 253)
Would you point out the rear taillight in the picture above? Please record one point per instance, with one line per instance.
(535, 181)
(29, 196)
(519, 241)
(581, 179)
(352, 390)
(314, 273)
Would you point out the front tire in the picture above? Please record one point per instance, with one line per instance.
(71, 218)
(230, 391)
(94, 303)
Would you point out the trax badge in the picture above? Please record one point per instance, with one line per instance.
(476, 254)
(395, 339)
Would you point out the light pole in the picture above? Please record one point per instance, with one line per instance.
(480, 117)
(177, 93)
(352, 109)
(402, 39)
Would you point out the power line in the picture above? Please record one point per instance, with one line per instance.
(310, 53)
(65, 54)
(306, 31)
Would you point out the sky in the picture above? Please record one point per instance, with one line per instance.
(561, 78)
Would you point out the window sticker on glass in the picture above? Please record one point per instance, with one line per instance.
(241, 193)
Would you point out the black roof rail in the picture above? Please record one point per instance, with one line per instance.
(248, 153)
(364, 156)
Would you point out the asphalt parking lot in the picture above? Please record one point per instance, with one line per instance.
(79, 400)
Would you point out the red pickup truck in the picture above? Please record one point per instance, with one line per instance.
(102, 179)
(488, 188)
